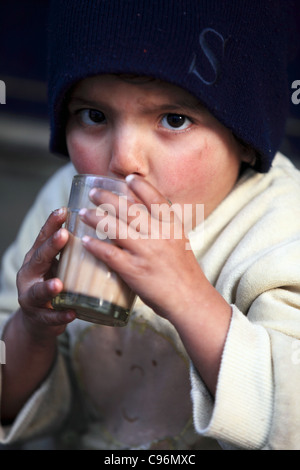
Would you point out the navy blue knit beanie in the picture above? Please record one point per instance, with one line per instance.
(232, 55)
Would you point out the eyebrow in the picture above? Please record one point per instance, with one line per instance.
(179, 106)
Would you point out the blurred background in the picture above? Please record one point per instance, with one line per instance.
(25, 163)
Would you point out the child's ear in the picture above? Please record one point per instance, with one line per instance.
(248, 155)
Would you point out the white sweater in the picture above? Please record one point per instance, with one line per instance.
(136, 386)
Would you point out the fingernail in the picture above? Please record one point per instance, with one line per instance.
(93, 192)
(53, 284)
(57, 234)
(70, 316)
(129, 178)
(59, 211)
(82, 212)
(85, 239)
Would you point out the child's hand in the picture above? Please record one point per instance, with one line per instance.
(158, 268)
(36, 284)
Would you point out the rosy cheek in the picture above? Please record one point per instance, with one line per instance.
(193, 174)
(80, 154)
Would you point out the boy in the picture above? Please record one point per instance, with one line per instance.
(170, 96)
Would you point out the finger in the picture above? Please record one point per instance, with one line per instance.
(147, 198)
(40, 294)
(51, 317)
(144, 190)
(136, 215)
(48, 317)
(106, 221)
(44, 255)
(53, 223)
(36, 302)
(140, 225)
(159, 206)
(109, 253)
(119, 206)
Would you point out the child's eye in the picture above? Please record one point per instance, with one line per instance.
(91, 117)
(176, 121)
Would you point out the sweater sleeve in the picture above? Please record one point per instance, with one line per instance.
(240, 415)
(257, 399)
(50, 402)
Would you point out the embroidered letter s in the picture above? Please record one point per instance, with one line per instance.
(212, 58)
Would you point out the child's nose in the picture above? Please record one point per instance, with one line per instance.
(129, 153)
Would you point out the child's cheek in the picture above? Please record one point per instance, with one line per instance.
(82, 153)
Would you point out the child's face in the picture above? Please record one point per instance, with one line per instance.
(117, 127)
